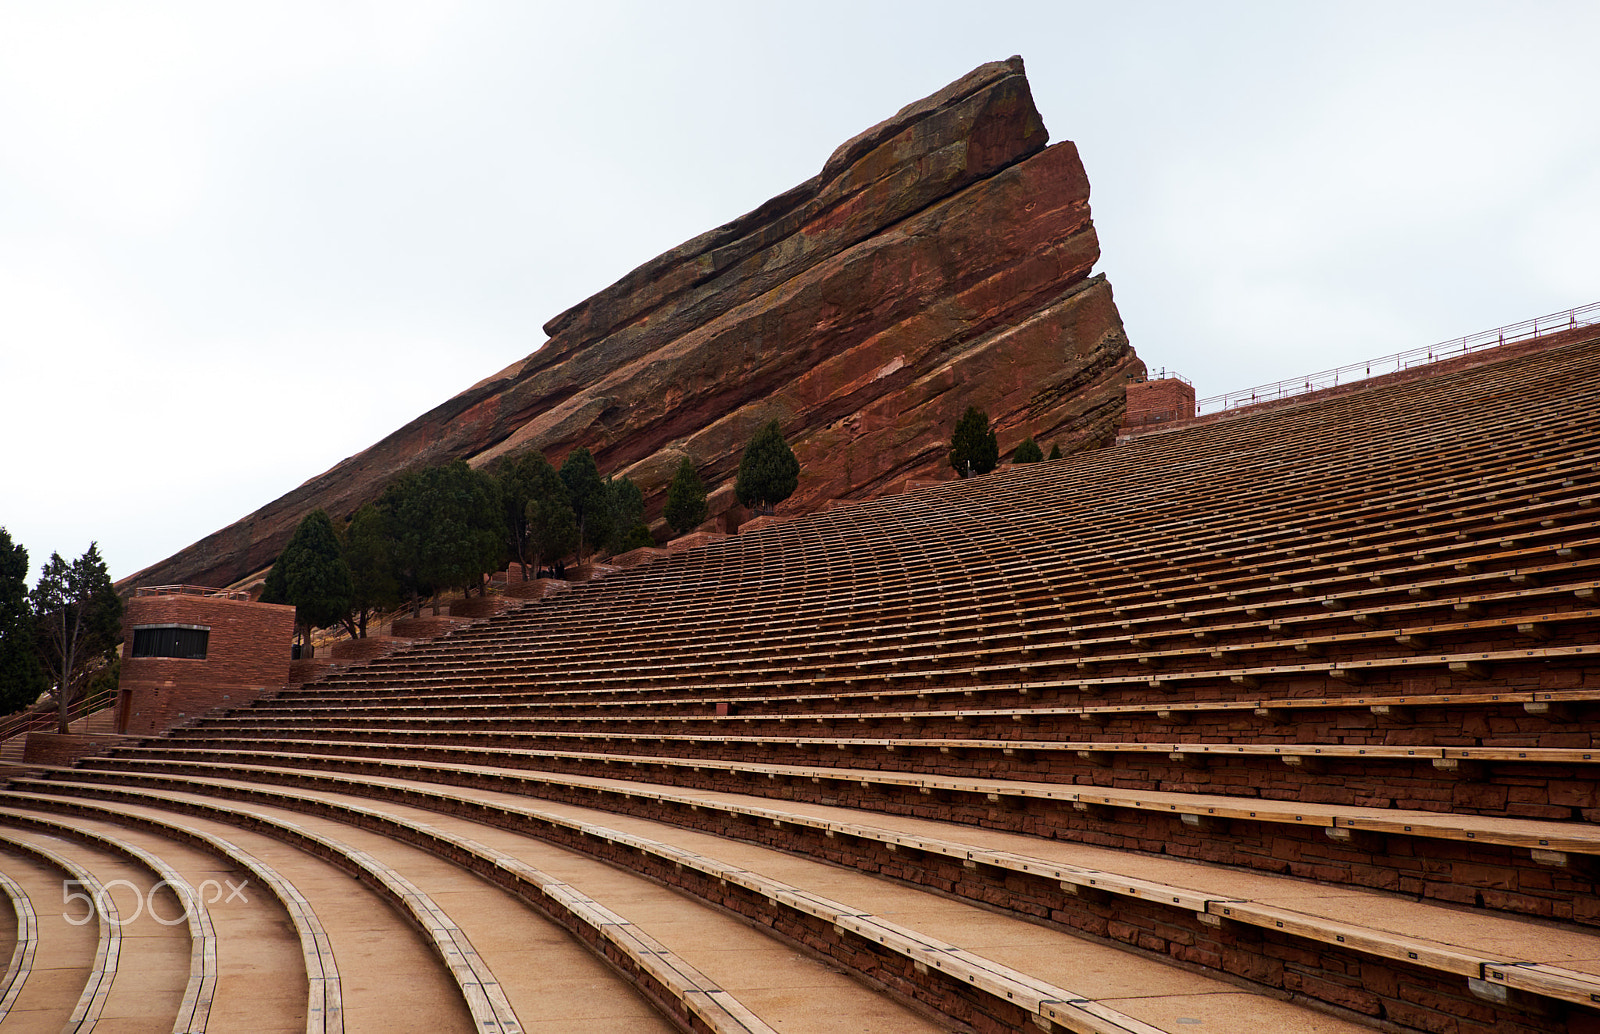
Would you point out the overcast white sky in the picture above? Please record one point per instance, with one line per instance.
(241, 241)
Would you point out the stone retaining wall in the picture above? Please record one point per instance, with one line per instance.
(429, 626)
(53, 748)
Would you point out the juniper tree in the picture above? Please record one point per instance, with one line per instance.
(591, 502)
(552, 526)
(768, 470)
(973, 446)
(686, 499)
(78, 615)
(626, 515)
(374, 582)
(1027, 452)
(448, 529)
(468, 539)
(312, 575)
(22, 680)
(405, 512)
(515, 476)
(275, 587)
(485, 550)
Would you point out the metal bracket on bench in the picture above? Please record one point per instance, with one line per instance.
(1510, 997)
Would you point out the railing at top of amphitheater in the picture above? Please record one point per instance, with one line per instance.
(192, 590)
(1582, 316)
(1165, 374)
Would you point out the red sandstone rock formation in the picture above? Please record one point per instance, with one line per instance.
(941, 259)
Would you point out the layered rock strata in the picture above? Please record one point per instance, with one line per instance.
(943, 258)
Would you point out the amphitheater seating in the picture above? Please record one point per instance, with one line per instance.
(1284, 722)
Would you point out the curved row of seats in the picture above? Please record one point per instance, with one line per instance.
(1279, 723)
(935, 961)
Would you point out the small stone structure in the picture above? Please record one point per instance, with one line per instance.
(188, 649)
(1159, 401)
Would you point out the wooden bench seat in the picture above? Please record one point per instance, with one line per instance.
(25, 944)
(1552, 704)
(1264, 913)
(770, 894)
(1461, 663)
(649, 957)
(480, 991)
(1529, 755)
(91, 1002)
(195, 1008)
(1512, 781)
(324, 1009)
(1033, 642)
(1527, 834)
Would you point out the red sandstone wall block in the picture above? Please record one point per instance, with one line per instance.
(534, 589)
(635, 557)
(303, 671)
(366, 649)
(429, 626)
(693, 540)
(49, 748)
(480, 607)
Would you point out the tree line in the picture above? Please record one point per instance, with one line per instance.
(432, 530)
(62, 636)
(448, 527)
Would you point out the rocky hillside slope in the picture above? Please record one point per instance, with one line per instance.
(940, 259)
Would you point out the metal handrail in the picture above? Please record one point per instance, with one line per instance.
(192, 590)
(1582, 316)
(30, 720)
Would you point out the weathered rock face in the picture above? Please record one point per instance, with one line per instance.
(941, 259)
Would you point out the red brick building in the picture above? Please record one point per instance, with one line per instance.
(1159, 401)
(188, 649)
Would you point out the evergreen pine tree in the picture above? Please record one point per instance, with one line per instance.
(316, 578)
(768, 470)
(374, 581)
(515, 477)
(405, 508)
(486, 547)
(587, 494)
(1027, 452)
(79, 617)
(552, 526)
(626, 505)
(448, 529)
(1055, 451)
(973, 447)
(22, 680)
(275, 588)
(686, 499)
